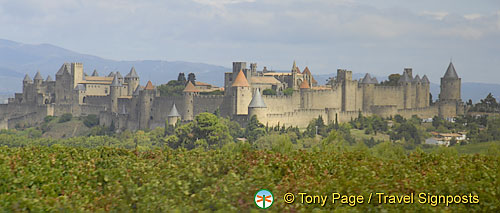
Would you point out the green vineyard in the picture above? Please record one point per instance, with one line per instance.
(60, 178)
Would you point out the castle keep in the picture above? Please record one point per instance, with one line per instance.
(123, 102)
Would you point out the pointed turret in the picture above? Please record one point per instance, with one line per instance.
(95, 73)
(27, 79)
(417, 79)
(425, 80)
(241, 80)
(173, 112)
(38, 76)
(450, 85)
(132, 74)
(257, 101)
(450, 72)
(190, 87)
(65, 68)
(367, 79)
(149, 86)
(173, 116)
(115, 82)
(404, 78)
(48, 79)
(111, 74)
(119, 75)
(304, 85)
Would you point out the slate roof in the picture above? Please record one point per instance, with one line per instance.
(417, 79)
(95, 73)
(38, 76)
(115, 82)
(450, 72)
(257, 101)
(64, 68)
(173, 112)
(405, 78)
(119, 74)
(425, 80)
(132, 74)
(369, 80)
(49, 78)
(27, 78)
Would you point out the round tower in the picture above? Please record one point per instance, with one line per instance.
(173, 116)
(241, 94)
(257, 107)
(450, 85)
(189, 93)
(114, 92)
(305, 96)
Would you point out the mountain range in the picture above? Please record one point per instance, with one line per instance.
(17, 59)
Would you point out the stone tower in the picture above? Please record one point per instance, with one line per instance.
(257, 106)
(114, 93)
(189, 93)
(132, 79)
(173, 116)
(305, 95)
(368, 87)
(406, 82)
(27, 83)
(241, 94)
(146, 98)
(76, 73)
(450, 85)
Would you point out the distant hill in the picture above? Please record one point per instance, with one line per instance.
(17, 59)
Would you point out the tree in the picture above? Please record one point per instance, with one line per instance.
(392, 81)
(91, 121)
(65, 117)
(255, 129)
(192, 78)
(269, 92)
(172, 88)
(181, 78)
(288, 91)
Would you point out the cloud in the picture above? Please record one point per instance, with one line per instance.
(440, 15)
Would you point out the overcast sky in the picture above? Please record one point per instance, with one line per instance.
(375, 36)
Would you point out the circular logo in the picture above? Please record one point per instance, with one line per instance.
(264, 199)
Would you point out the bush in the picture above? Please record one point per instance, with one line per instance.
(288, 91)
(65, 118)
(91, 121)
(269, 92)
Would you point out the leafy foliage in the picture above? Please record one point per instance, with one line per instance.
(91, 121)
(58, 178)
(269, 92)
(288, 91)
(65, 117)
(172, 88)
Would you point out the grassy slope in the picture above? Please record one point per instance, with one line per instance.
(72, 128)
(360, 135)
